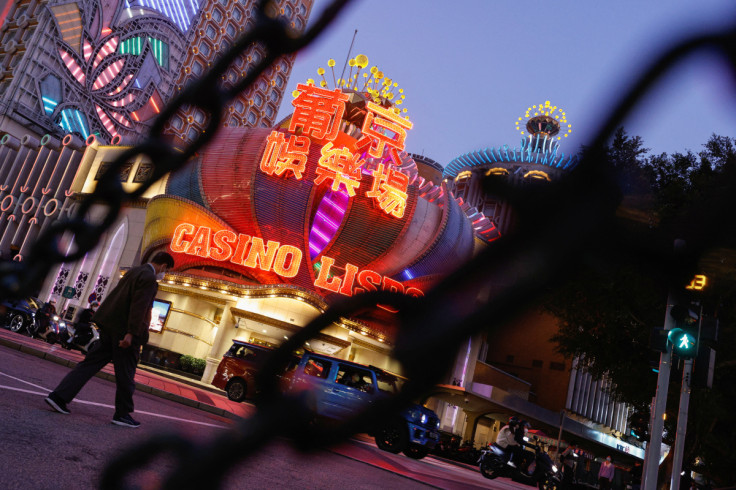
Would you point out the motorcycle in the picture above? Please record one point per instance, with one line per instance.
(539, 472)
(85, 341)
(50, 333)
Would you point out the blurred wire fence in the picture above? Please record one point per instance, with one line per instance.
(579, 216)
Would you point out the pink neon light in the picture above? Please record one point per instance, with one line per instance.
(108, 48)
(124, 101)
(106, 121)
(108, 74)
(72, 66)
(87, 52)
(122, 85)
(120, 118)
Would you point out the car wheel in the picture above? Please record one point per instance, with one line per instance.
(491, 469)
(392, 437)
(17, 322)
(416, 451)
(236, 390)
(548, 483)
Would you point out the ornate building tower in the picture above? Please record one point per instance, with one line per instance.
(538, 158)
(107, 67)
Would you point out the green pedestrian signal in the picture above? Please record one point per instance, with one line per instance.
(683, 343)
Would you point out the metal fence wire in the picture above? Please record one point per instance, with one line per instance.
(578, 218)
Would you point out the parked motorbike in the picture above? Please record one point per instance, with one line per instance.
(85, 341)
(50, 333)
(539, 471)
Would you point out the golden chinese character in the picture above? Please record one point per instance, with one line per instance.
(341, 166)
(280, 156)
(390, 130)
(318, 111)
(389, 190)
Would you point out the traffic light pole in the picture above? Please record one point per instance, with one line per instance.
(654, 448)
(681, 425)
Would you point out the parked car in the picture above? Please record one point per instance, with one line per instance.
(18, 314)
(338, 389)
(236, 371)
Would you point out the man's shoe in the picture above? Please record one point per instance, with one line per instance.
(57, 404)
(126, 421)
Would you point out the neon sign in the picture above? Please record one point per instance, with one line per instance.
(284, 260)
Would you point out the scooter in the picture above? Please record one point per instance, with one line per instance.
(85, 341)
(539, 472)
(50, 333)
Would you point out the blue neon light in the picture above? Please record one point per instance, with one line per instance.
(179, 13)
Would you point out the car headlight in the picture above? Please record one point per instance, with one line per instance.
(438, 423)
(424, 418)
(56, 318)
(62, 324)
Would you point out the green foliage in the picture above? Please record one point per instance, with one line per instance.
(198, 365)
(608, 309)
(186, 361)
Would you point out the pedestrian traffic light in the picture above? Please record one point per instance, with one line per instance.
(683, 342)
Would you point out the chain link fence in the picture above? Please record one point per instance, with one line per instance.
(580, 215)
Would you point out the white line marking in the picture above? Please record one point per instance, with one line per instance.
(85, 402)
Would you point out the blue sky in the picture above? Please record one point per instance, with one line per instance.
(470, 68)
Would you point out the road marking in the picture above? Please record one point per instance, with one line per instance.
(46, 391)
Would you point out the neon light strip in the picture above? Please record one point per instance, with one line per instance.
(72, 66)
(82, 124)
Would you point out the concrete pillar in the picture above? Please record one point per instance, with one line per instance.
(213, 358)
(470, 425)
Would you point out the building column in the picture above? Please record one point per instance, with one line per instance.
(471, 422)
(212, 360)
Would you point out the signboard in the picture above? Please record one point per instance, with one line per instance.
(69, 292)
(159, 315)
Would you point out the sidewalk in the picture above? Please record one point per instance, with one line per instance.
(148, 379)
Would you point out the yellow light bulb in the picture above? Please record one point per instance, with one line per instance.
(320, 71)
(362, 60)
(310, 81)
(295, 93)
(373, 70)
(330, 63)
(323, 83)
(351, 62)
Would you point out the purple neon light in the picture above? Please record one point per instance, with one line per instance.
(327, 219)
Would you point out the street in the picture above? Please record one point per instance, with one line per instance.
(44, 449)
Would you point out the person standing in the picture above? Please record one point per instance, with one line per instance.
(605, 474)
(123, 319)
(568, 457)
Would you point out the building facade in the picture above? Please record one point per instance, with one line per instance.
(107, 67)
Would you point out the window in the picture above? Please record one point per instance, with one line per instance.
(280, 81)
(258, 100)
(274, 96)
(270, 112)
(177, 122)
(288, 11)
(252, 118)
(230, 30)
(318, 368)
(211, 32)
(239, 106)
(352, 377)
(557, 366)
(537, 363)
(199, 116)
(216, 15)
(237, 14)
(197, 68)
(205, 49)
(192, 134)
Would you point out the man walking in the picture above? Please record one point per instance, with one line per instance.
(123, 319)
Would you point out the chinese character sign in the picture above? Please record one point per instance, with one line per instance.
(389, 190)
(383, 127)
(280, 155)
(340, 166)
(318, 112)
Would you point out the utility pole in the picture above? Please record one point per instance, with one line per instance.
(654, 448)
(681, 425)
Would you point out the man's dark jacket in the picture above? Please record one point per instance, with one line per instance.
(127, 309)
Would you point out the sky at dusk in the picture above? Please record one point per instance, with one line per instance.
(471, 68)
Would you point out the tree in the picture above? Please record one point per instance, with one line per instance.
(607, 311)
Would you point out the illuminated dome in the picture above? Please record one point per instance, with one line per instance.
(538, 158)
